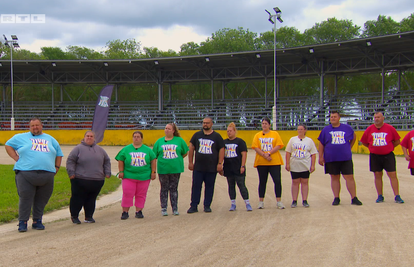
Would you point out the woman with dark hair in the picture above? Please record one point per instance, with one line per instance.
(137, 167)
(267, 143)
(234, 167)
(170, 152)
(87, 165)
(300, 162)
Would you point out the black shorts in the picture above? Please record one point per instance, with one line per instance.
(377, 163)
(297, 175)
(339, 167)
(412, 171)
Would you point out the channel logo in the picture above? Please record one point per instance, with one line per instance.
(22, 18)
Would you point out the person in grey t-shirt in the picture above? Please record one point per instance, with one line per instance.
(87, 165)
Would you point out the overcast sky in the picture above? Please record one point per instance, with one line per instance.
(167, 24)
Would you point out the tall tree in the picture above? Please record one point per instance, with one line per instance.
(229, 40)
(153, 52)
(123, 49)
(189, 49)
(81, 52)
(331, 30)
(382, 26)
(285, 37)
(54, 53)
(407, 24)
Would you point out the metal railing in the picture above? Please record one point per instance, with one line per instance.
(357, 110)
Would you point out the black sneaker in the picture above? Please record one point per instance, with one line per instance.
(305, 204)
(207, 209)
(125, 215)
(75, 220)
(192, 210)
(89, 220)
(336, 201)
(22, 226)
(139, 214)
(355, 201)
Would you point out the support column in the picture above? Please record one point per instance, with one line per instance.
(212, 94)
(160, 97)
(223, 88)
(321, 115)
(116, 92)
(383, 81)
(170, 92)
(265, 103)
(61, 93)
(399, 80)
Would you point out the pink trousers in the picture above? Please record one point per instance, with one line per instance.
(134, 188)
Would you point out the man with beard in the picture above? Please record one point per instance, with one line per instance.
(208, 147)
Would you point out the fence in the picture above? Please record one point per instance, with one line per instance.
(356, 110)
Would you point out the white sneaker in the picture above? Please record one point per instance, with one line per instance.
(280, 205)
(261, 205)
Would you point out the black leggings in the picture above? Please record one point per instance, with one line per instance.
(84, 194)
(275, 172)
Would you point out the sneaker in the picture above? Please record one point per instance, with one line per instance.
(125, 215)
(22, 226)
(207, 209)
(294, 204)
(164, 212)
(305, 204)
(192, 210)
(139, 214)
(75, 220)
(380, 199)
(176, 213)
(336, 201)
(233, 207)
(280, 205)
(89, 220)
(261, 205)
(398, 199)
(355, 201)
(37, 224)
(249, 207)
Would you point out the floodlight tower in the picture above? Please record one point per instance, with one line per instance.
(12, 44)
(272, 19)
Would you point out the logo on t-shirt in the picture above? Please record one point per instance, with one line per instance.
(338, 137)
(266, 144)
(412, 142)
(378, 139)
(205, 146)
(40, 145)
(138, 159)
(300, 150)
(170, 151)
(231, 151)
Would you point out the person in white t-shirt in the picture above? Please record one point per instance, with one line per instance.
(300, 162)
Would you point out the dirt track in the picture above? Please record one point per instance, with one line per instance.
(322, 235)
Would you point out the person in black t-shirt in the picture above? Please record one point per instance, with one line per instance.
(208, 148)
(234, 167)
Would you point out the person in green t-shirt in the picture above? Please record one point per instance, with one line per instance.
(137, 167)
(170, 152)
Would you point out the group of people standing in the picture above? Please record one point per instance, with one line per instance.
(38, 157)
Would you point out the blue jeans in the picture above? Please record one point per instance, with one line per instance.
(209, 179)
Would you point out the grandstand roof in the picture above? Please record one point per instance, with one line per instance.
(373, 54)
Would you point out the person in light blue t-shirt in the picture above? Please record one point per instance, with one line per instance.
(38, 157)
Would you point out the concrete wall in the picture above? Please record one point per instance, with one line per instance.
(124, 137)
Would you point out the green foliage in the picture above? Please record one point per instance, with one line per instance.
(382, 26)
(229, 40)
(407, 24)
(286, 37)
(123, 49)
(9, 202)
(189, 49)
(331, 30)
(81, 52)
(51, 53)
(153, 52)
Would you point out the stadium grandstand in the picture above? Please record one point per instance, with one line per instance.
(382, 55)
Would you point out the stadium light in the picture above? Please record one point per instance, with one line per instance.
(272, 19)
(12, 44)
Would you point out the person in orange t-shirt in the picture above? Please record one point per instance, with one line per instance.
(268, 160)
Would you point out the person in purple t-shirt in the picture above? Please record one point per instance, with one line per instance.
(335, 142)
